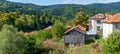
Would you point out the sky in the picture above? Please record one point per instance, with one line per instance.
(53, 2)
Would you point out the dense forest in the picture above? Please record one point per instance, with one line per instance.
(33, 17)
(67, 11)
(34, 14)
(111, 7)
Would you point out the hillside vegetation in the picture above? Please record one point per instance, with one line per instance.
(66, 11)
(34, 29)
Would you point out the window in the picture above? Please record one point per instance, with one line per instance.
(98, 21)
(98, 28)
(117, 26)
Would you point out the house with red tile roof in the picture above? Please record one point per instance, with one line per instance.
(111, 24)
(96, 21)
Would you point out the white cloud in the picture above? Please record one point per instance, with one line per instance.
(71, 1)
(88, 1)
(113, 0)
(108, 1)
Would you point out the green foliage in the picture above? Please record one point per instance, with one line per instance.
(41, 36)
(34, 42)
(45, 20)
(24, 21)
(80, 18)
(30, 45)
(12, 41)
(32, 17)
(112, 44)
(84, 49)
(70, 10)
(58, 29)
(110, 7)
(65, 11)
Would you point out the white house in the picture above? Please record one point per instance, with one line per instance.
(96, 22)
(111, 24)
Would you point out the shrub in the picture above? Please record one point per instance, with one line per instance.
(112, 44)
(94, 45)
(58, 30)
(12, 41)
(55, 47)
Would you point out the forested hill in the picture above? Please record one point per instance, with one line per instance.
(112, 7)
(23, 8)
(70, 10)
(66, 11)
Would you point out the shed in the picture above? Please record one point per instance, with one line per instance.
(75, 36)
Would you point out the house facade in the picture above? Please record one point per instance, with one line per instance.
(111, 24)
(96, 22)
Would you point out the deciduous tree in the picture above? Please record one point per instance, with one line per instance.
(12, 41)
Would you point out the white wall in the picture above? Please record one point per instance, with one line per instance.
(95, 24)
(107, 29)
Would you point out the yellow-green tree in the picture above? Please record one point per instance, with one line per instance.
(80, 18)
(58, 29)
(12, 41)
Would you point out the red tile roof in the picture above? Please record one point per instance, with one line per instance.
(101, 16)
(113, 19)
(82, 28)
(79, 28)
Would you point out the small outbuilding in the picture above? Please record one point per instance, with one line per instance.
(75, 36)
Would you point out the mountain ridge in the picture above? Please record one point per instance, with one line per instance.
(62, 10)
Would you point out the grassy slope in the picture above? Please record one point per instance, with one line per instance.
(86, 49)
